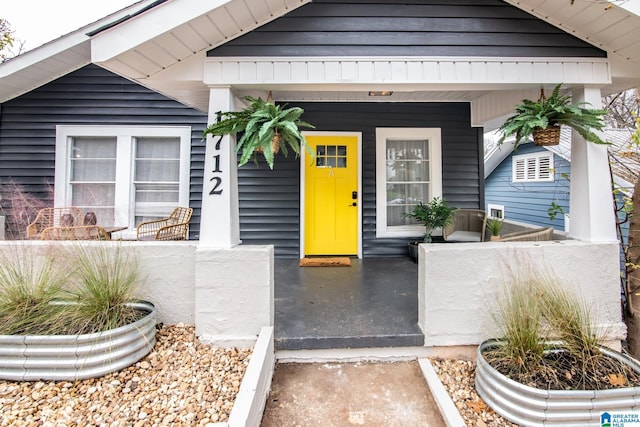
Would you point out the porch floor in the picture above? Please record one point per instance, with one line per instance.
(373, 303)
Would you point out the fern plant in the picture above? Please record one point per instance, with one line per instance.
(266, 128)
(556, 110)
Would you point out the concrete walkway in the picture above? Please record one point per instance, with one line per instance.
(350, 394)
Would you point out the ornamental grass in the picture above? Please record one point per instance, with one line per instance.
(67, 291)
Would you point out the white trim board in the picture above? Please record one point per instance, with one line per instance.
(472, 72)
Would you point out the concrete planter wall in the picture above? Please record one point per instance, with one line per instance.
(528, 406)
(76, 357)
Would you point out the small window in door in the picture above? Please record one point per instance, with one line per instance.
(331, 156)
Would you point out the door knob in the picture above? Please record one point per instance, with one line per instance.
(353, 204)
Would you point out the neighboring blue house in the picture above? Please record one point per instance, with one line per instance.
(525, 184)
(528, 184)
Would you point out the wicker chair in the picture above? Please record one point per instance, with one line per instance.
(81, 232)
(468, 226)
(174, 227)
(54, 217)
(534, 235)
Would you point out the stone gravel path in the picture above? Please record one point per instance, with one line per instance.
(458, 379)
(181, 382)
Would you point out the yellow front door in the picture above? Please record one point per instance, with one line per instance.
(331, 195)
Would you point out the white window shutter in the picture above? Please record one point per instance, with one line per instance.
(519, 170)
(544, 168)
(531, 169)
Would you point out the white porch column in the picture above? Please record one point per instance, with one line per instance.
(219, 224)
(591, 208)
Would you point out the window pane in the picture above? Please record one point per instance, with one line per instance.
(158, 148)
(408, 178)
(93, 170)
(93, 147)
(158, 170)
(156, 177)
(407, 160)
(401, 198)
(93, 159)
(408, 170)
(98, 198)
(93, 175)
(398, 149)
(154, 193)
(157, 159)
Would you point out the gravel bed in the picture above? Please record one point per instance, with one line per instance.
(181, 382)
(458, 378)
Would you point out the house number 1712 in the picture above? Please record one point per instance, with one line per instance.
(217, 180)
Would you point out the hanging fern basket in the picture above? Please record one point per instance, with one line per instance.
(547, 136)
(275, 144)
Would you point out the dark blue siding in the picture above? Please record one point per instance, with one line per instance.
(269, 201)
(408, 28)
(88, 96)
(529, 202)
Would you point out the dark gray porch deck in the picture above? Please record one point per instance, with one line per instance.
(373, 303)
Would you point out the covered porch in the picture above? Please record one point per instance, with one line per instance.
(372, 303)
(454, 281)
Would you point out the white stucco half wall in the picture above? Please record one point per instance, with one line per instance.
(458, 284)
(227, 293)
(234, 294)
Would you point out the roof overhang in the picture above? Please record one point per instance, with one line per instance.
(162, 45)
(56, 58)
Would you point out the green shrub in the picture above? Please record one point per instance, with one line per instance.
(537, 313)
(76, 291)
(28, 286)
(520, 320)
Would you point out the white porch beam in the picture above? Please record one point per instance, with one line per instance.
(591, 200)
(220, 217)
(412, 73)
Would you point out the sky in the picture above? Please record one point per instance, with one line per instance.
(36, 22)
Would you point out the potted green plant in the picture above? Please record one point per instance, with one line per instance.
(494, 225)
(544, 117)
(70, 315)
(433, 214)
(266, 128)
(549, 367)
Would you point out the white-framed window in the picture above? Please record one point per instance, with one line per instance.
(408, 171)
(533, 167)
(125, 174)
(495, 211)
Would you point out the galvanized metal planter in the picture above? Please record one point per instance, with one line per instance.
(77, 357)
(528, 406)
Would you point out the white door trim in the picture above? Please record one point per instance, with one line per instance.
(302, 185)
